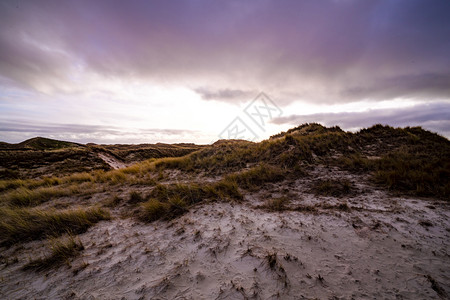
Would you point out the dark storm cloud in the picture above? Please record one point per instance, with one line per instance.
(327, 51)
(434, 116)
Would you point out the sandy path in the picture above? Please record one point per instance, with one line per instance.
(111, 161)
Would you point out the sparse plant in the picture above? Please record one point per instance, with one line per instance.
(114, 201)
(330, 187)
(135, 197)
(277, 204)
(61, 252)
(271, 260)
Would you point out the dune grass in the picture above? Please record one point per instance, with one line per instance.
(98, 176)
(155, 209)
(414, 174)
(26, 224)
(410, 160)
(276, 204)
(332, 187)
(169, 201)
(61, 251)
(45, 181)
(194, 193)
(25, 197)
(257, 176)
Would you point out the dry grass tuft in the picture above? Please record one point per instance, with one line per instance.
(276, 204)
(25, 197)
(335, 188)
(25, 224)
(61, 252)
(170, 201)
(256, 177)
(135, 197)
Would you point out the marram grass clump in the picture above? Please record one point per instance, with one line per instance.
(170, 201)
(26, 224)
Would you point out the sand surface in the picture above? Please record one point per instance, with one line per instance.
(377, 250)
(111, 160)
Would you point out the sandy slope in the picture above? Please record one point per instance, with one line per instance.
(111, 160)
(380, 249)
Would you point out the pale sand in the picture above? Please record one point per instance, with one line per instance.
(378, 250)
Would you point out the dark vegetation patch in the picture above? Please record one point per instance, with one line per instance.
(408, 171)
(40, 157)
(25, 197)
(169, 201)
(257, 176)
(25, 224)
(141, 152)
(276, 204)
(403, 160)
(225, 157)
(407, 160)
(39, 163)
(135, 197)
(332, 187)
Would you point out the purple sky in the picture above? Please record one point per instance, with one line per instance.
(172, 71)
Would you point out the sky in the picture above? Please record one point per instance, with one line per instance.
(198, 70)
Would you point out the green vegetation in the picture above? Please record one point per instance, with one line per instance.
(25, 224)
(154, 209)
(231, 156)
(411, 160)
(413, 173)
(38, 157)
(257, 176)
(169, 201)
(61, 252)
(26, 197)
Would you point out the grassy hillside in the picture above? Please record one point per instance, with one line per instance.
(407, 160)
(38, 143)
(38, 157)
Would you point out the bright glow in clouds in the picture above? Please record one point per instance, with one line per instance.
(163, 71)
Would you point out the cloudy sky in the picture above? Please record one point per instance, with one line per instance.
(182, 71)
